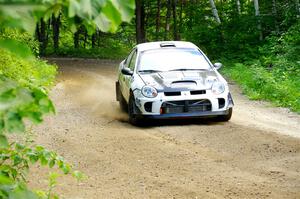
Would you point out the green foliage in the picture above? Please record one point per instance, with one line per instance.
(18, 102)
(99, 53)
(23, 96)
(29, 73)
(106, 15)
(276, 75)
(20, 37)
(15, 161)
(260, 84)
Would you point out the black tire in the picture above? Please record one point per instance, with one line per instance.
(225, 118)
(134, 117)
(123, 104)
(120, 98)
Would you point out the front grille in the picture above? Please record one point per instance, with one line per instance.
(199, 92)
(186, 106)
(172, 93)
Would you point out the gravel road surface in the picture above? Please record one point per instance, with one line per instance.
(255, 155)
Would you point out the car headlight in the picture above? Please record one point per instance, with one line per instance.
(218, 88)
(149, 91)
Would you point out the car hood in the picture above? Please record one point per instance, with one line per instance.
(180, 80)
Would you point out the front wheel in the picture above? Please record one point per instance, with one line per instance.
(225, 118)
(134, 118)
(120, 98)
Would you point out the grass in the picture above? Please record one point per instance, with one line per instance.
(259, 83)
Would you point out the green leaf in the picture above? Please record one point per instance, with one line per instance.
(43, 160)
(35, 117)
(16, 159)
(74, 7)
(14, 123)
(66, 168)
(17, 48)
(86, 8)
(39, 148)
(1, 125)
(52, 163)
(126, 8)
(5, 179)
(3, 141)
(102, 22)
(20, 147)
(33, 158)
(78, 175)
(110, 11)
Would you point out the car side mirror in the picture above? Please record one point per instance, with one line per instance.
(218, 65)
(127, 71)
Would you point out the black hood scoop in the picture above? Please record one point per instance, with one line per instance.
(183, 83)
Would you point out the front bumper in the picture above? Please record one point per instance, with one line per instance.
(155, 107)
(187, 115)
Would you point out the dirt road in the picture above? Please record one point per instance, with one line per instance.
(255, 155)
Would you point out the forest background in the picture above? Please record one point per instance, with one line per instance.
(257, 40)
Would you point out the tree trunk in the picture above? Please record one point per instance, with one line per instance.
(298, 7)
(257, 15)
(140, 21)
(238, 3)
(175, 32)
(167, 28)
(85, 38)
(158, 19)
(215, 11)
(94, 39)
(180, 19)
(99, 39)
(55, 29)
(76, 38)
(41, 32)
(274, 12)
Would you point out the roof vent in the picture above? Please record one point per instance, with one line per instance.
(164, 45)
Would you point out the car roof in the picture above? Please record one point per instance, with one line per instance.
(165, 44)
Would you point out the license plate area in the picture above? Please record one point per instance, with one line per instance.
(186, 106)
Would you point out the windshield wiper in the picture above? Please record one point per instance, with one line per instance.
(149, 71)
(186, 69)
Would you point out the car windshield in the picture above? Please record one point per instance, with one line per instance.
(172, 59)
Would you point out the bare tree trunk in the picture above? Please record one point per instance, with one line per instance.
(42, 36)
(85, 38)
(180, 19)
(55, 29)
(274, 12)
(257, 14)
(99, 37)
(76, 38)
(238, 3)
(158, 19)
(140, 21)
(298, 7)
(94, 39)
(175, 32)
(215, 11)
(167, 29)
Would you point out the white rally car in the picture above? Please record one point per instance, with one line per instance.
(171, 79)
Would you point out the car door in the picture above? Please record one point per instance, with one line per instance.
(128, 78)
(125, 80)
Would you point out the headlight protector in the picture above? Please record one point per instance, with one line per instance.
(149, 91)
(218, 88)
